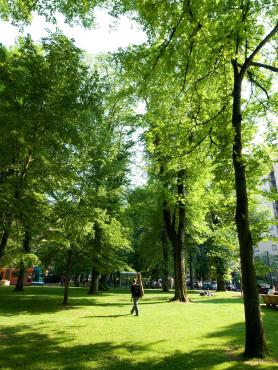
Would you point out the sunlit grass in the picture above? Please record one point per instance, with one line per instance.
(37, 332)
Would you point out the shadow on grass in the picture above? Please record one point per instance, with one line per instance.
(37, 300)
(33, 300)
(105, 316)
(23, 347)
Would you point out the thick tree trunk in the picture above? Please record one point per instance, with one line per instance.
(177, 240)
(26, 249)
(220, 273)
(183, 297)
(94, 282)
(182, 290)
(67, 277)
(255, 344)
(220, 283)
(165, 267)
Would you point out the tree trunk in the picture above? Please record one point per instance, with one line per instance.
(94, 282)
(26, 249)
(221, 270)
(183, 297)
(176, 269)
(67, 277)
(5, 235)
(171, 233)
(181, 289)
(165, 268)
(76, 280)
(103, 282)
(255, 344)
(191, 271)
(20, 278)
(177, 240)
(220, 283)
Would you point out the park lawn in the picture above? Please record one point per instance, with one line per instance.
(36, 332)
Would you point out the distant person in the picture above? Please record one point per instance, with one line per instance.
(135, 294)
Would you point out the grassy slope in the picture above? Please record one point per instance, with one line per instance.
(36, 332)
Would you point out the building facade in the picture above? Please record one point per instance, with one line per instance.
(267, 250)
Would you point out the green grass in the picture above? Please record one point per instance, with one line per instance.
(36, 332)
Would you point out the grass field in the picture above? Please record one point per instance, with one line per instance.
(36, 332)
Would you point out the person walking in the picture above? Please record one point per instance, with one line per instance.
(136, 293)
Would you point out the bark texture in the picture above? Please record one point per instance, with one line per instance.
(26, 249)
(94, 282)
(176, 236)
(5, 235)
(165, 272)
(255, 343)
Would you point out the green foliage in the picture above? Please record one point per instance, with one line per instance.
(68, 127)
(63, 169)
(146, 223)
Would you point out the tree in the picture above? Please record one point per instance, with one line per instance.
(199, 46)
(149, 239)
(48, 98)
(194, 51)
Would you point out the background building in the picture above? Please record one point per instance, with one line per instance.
(268, 250)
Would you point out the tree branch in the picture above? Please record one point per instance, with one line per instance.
(249, 60)
(166, 42)
(252, 80)
(212, 118)
(266, 66)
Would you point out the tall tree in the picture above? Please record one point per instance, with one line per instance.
(202, 47)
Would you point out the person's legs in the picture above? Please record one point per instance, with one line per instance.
(135, 306)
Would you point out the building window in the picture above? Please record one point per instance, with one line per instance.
(275, 208)
(272, 180)
(274, 247)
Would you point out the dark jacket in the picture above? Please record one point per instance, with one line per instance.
(135, 290)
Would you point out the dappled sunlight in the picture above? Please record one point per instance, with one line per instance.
(99, 333)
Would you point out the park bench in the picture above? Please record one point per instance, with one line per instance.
(270, 300)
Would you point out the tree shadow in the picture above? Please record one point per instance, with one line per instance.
(33, 301)
(235, 335)
(24, 347)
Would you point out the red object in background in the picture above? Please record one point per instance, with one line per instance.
(11, 274)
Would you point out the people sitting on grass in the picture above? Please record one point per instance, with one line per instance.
(206, 293)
